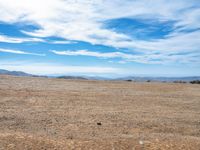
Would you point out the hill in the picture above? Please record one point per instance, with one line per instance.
(14, 73)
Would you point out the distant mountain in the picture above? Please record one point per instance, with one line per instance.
(84, 77)
(129, 78)
(97, 78)
(72, 77)
(162, 79)
(17, 73)
(14, 73)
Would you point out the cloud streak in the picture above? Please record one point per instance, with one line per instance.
(146, 58)
(7, 39)
(92, 53)
(19, 52)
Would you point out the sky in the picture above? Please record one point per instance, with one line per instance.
(101, 37)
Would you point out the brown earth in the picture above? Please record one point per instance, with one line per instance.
(41, 113)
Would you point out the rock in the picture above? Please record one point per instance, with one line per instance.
(99, 123)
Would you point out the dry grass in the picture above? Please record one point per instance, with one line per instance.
(39, 113)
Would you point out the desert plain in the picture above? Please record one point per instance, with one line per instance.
(60, 114)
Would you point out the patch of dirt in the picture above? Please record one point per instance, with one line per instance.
(41, 113)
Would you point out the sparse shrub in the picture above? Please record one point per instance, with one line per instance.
(128, 80)
(195, 82)
(180, 82)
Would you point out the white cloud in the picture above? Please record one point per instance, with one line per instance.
(19, 52)
(148, 58)
(7, 39)
(92, 53)
(63, 42)
(84, 21)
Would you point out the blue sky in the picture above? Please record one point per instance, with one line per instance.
(101, 37)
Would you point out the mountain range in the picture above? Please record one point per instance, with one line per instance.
(129, 78)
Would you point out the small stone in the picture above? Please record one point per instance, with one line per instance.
(99, 123)
(141, 142)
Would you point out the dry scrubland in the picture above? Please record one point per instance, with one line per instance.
(39, 113)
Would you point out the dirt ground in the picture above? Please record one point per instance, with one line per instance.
(59, 114)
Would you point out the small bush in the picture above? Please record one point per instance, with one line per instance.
(195, 82)
(128, 80)
(180, 82)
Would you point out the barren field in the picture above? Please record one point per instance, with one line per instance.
(59, 114)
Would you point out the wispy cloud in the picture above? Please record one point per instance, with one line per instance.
(146, 58)
(7, 39)
(63, 42)
(92, 53)
(85, 21)
(19, 52)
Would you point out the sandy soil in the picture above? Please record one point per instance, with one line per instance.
(59, 114)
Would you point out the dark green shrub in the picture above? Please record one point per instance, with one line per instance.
(195, 82)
